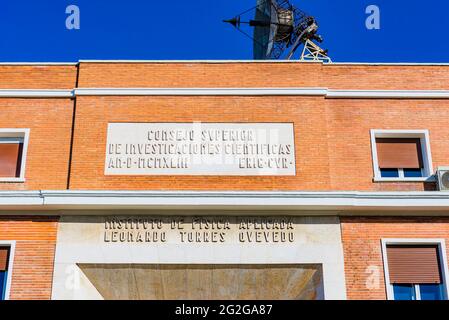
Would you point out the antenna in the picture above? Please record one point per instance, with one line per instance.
(280, 29)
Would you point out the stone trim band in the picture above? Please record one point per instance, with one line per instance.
(327, 93)
(364, 203)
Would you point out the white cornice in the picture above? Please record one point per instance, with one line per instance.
(201, 92)
(266, 61)
(388, 94)
(205, 61)
(115, 61)
(21, 198)
(377, 202)
(327, 93)
(35, 93)
(321, 92)
(197, 61)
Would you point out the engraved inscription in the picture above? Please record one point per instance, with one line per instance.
(199, 230)
(200, 149)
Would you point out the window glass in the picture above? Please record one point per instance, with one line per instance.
(3, 276)
(11, 150)
(431, 291)
(4, 260)
(404, 292)
(413, 173)
(389, 173)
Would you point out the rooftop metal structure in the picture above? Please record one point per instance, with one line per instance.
(279, 29)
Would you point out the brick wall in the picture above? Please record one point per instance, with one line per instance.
(94, 114)
(50, 124)
(333, 150)
(349, 124)
(34, 254)
(37, 76)
(49, 121)
(361, 238)
(333, 144)
(269, 74)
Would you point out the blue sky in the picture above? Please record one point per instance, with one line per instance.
(34, 30)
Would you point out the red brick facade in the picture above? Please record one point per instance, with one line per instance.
(331, 134)
(332, 137)
(361, 238)
(327, 142)
(50, 124)
(38, 76)
(261, 74)
(35, 241)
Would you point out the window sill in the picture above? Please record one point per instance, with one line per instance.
(12, 180)
(423, 179)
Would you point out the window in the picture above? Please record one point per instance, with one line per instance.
(4, 262)
(400, 155)
(415, 270)
(13, 149)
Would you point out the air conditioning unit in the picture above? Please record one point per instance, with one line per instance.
(443, 178)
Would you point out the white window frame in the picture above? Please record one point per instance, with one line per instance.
(12, 249)
(423, 135)
(416, 241)
(22, 135)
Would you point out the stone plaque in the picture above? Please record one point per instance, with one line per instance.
(199, 230)
(234, 149)
(132, 255)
